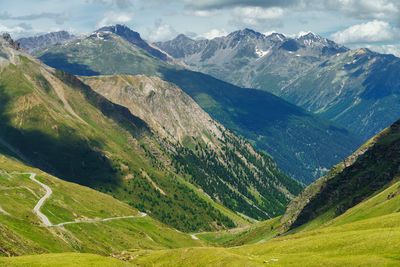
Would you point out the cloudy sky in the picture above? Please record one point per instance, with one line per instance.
(355, 23)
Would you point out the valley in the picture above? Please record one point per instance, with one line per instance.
(291, 135)
(249, 148)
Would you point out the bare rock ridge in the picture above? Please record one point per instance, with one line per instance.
(10, 41)
(42, 41)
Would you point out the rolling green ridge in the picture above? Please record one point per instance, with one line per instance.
(292, 136)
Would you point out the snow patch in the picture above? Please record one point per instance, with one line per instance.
(261, 53)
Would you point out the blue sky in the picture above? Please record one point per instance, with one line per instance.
(355, 23)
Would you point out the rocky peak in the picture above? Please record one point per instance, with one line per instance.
(7, 38)
(182, 37)
(245, 33)
(122, 31)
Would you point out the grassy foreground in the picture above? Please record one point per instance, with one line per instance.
(63, 259)
(366, 235)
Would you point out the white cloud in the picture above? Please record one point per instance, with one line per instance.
(11, 30)
(161, 32)
(202, 13)
(214, 33)
(115, 17)
(255, 16)
(369, 32)
(385, 49)
(17, 31)
(365, 9)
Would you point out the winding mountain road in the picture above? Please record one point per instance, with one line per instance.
(46, 220)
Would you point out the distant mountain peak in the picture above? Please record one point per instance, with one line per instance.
(121, 30)
(245, 32)
(310, 36)
(182, 37)
(134, 38)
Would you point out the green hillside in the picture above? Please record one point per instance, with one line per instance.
(55, 123)
(333, 227)
(304, 146)
(371, 169)
(24, 233)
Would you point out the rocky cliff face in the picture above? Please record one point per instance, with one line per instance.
(42, 41)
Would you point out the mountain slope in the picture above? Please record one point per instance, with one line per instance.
(303, 145)
(56, 123)
(42, 41)
(100, 52)
(371, 169)
(358, 89)
(224, 166)
(292, 136)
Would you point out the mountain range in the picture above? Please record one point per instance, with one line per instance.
(291, 135)
(354, 88)
(140, 161)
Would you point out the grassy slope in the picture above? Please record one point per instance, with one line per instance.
(63, 259)
(369, 170)
(258, 232)
(23, 232)
(366, 235)
(90, 141)
(360, 237)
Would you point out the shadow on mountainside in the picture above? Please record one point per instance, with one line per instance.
(66, 154)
